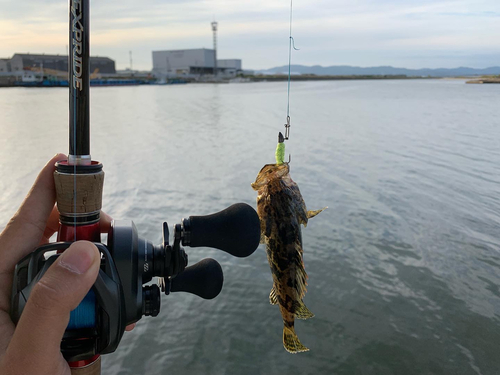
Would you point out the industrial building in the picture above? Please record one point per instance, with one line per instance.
(4, 65)
(183, 62)
(25, 61)
(199, 63)
(192, 63)
(230, 66)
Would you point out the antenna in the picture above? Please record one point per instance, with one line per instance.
(130, 55)
(214, 29)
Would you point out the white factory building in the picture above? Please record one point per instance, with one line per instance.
(193, 63)
(4, 65)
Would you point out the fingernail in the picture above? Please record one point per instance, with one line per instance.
(78, 258)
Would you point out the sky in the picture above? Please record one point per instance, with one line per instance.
(400, 33)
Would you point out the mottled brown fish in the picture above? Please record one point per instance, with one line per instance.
(281, 210)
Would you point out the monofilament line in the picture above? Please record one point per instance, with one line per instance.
(291, 44)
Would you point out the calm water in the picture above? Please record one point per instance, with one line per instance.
(404, 267)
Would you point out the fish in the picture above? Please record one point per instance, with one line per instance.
(281, 211)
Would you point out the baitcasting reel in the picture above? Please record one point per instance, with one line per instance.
(118, 297)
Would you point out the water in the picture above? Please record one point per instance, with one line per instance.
(404, 267)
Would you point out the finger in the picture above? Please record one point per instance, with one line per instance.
(51, 227)
(105, 222)
(30, 220)
(46, 315)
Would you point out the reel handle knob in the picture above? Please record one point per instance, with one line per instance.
(235, 230)
(204, 279)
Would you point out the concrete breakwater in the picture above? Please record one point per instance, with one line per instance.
(485, 80)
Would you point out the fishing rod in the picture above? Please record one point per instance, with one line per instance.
(119, 297)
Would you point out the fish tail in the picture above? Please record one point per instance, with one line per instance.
(291, 342)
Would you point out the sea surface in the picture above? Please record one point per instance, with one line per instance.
(404, 266)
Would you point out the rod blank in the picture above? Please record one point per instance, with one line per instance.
(79, 78)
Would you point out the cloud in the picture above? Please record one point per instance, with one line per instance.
(329, 32)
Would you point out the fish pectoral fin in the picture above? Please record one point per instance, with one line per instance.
(291, 342)
(311, 214)
(302, 312)
(273, 298)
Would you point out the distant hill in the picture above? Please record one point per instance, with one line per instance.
(346, 70)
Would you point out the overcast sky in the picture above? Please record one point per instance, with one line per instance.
(402, 33)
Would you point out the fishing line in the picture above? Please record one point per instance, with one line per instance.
(290, 45)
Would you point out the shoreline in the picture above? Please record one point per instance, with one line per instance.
(310, 77)
(9, 81)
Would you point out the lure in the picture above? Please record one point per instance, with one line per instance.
(281, 210)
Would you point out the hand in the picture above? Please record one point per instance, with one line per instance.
(33, 347)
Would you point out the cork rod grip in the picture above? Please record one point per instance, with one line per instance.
(79, 193)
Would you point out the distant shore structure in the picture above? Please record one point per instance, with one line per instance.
(214, 30)
(28, 64)
(194, 63)
(4, 65)
(22, 62)
(43, 70)
(200, 64)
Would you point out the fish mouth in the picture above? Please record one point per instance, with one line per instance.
(270, 172)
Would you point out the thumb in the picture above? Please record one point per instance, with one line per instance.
(59, 291)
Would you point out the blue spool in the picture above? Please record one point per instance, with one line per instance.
(84, 316)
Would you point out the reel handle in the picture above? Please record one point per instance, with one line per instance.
(235, 230)
(204, 279)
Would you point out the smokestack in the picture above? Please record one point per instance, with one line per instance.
(214, 29)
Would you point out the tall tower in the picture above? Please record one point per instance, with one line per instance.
(214, 29)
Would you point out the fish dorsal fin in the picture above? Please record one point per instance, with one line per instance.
(273, 298)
